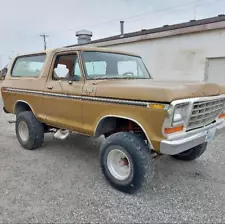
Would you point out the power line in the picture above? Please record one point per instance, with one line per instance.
(44, 36)
(175, 10)
(167, 9)
(170, 10)
(142, 14)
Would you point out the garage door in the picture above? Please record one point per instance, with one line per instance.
(215, 70)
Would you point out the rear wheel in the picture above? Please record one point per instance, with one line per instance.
(29, 131)
(125, 161)
(192, 153)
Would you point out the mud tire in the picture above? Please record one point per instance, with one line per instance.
(35, 128)
(139, 157)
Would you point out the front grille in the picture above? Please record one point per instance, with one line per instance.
(204, 113)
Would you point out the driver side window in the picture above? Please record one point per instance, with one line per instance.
(67, 68)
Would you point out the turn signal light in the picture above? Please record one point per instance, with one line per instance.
(221, 116)
(156, 106)
(173, 130)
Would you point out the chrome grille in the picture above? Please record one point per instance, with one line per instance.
(204, 113)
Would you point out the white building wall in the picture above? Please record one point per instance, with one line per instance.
(180, 57)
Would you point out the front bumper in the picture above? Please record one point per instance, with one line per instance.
(191, 139)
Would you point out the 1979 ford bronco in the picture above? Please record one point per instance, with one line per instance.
(100, 92)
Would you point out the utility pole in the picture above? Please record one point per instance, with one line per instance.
(44, 36)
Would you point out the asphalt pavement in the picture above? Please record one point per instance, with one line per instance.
(62, 182)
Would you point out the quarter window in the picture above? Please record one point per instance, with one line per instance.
(28, 66)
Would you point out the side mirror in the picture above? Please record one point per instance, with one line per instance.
(61, 72)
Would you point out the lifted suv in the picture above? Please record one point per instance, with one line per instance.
(97, 92)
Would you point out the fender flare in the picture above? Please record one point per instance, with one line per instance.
(123, 117)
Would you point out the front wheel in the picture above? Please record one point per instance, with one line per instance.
(125, 161)
(29, 131)
(192, 153)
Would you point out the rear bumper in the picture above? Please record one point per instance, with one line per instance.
(191, 139)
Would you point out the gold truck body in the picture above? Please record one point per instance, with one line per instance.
(106, 105)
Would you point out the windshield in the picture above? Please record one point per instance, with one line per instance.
(105, 65)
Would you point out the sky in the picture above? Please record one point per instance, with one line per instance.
(23, 21)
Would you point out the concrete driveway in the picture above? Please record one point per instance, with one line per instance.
(62, 182)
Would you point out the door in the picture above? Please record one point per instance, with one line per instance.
(215, 70)
(63, 92)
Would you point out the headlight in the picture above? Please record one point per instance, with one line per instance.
(179, 115)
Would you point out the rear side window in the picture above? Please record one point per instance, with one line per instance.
(28, 66)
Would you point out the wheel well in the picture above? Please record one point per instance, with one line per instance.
(111, 125)
(21, 106)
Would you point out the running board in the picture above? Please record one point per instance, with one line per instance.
(61, 134)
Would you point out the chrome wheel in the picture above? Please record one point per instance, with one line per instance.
(23, 131)
(118, 164)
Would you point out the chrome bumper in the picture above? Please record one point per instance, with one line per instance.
(191, 139)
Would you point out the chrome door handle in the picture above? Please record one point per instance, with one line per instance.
(50, 87)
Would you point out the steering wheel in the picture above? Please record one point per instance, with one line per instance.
(127, 73)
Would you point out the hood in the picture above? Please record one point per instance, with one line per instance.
(156, 90)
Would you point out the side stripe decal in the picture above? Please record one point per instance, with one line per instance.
(86, 98)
